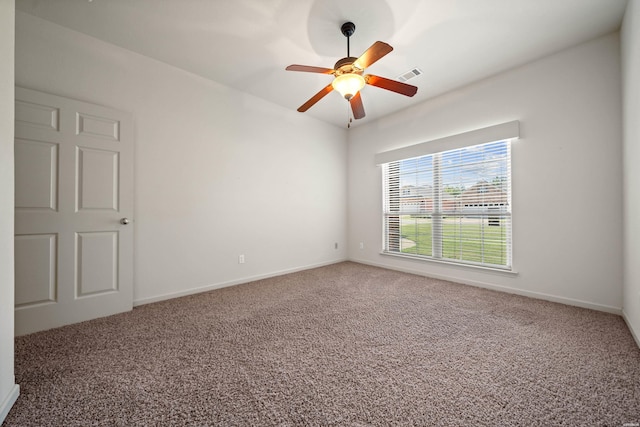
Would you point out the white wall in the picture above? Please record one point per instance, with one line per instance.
(630, 38)
(8, 388)
(567, 179)
(218, 172)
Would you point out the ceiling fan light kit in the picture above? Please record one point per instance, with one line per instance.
(349, 77)
(348, 84)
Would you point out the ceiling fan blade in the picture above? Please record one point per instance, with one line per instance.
(315, 98)
(356, 106)
(392, 85)
(309, 69)
(371, 55)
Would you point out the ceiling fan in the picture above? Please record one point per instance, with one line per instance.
(349, 78)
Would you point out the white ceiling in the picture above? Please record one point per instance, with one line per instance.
(246, 44)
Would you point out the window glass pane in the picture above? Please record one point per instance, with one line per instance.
(480, 239)
(416, 234)
(416, 178)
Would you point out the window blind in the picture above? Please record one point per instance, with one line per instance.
(452, 205)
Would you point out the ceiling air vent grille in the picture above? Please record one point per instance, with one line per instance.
(410, 74)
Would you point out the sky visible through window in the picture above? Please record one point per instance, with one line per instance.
(461, 168)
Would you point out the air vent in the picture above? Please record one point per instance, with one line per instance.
(410, 74)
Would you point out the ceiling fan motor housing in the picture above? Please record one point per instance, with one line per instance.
(345, 66)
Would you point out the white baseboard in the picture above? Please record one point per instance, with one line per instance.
(170, 295)
(506, 289)
(8, 402)
(635, 334)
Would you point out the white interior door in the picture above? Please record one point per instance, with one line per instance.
(73, 199)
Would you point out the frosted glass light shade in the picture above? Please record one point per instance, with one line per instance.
(348, 84)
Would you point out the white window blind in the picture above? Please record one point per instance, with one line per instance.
(451, 205)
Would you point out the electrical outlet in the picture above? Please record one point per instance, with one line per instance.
(335, 245)
(361, 245)
(241, 259)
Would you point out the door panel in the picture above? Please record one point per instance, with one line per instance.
(36, 175)
(35, 269)
(100, 127)
(37, 115)
(74, 183)
(96, 263)
(97, 179)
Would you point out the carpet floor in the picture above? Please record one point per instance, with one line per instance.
(342, 345)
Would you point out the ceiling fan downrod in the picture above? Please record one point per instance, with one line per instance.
(348, 28)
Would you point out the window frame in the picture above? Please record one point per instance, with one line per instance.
(391, 232)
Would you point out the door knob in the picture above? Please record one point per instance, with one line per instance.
(124, 221)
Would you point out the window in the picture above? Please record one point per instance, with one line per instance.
(452, 206)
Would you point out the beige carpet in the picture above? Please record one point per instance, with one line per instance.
(343, 345)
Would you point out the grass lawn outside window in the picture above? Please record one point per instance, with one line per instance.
(473, 240)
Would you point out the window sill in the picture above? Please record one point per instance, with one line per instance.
(453, 264)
